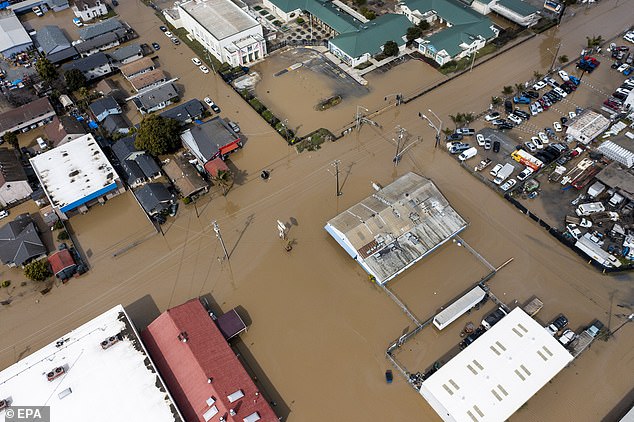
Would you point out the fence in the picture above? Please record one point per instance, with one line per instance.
(295, 43)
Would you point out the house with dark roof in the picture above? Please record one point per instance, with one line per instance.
(21, 119)
(92, 31)
(138, 166)
(20, 242)
(116, 123)
(100, 43)
(88, 9)
(210, 140)
(155, 198)
(201, 370)
(92, 67)
(127, 54)
(63, 129)
(14, 184)
(51, 39)
(155, 99)
(185, 112)
(185, 177)
(63, 264)
(104, 107)
(63, 55)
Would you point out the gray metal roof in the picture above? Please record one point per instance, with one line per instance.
(206, 139)
(92, 31)
(125, 52)
(154, 197)
(132, 171)
(20, 241)
(12, 33)
(123, 148)
(87, 63)
(156, 96)
(99, 41)
(103, 104)
(185, 112)
(52, 39)
(62, 55)
(114, 122)
(148, 165)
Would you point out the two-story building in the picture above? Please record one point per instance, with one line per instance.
(89, 9)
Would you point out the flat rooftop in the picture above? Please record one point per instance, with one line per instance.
(396, 226)
(74, 173)
(222, 18)
(497, 373)
(95, 384)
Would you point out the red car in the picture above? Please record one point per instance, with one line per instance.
(592, 60)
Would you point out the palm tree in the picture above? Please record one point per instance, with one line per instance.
(594, 41)
(447, 131)
(563, 59)
(507, 90)
(496, 101)
(225, 179)
(468, 118)
(519, 88)
(537, 76)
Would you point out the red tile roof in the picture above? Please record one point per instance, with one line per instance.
(187, 366)
(61, 260)
(214, 166)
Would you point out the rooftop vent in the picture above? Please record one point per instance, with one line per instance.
(55, 373)
(4, 403)
(109, 342)
(183, 337)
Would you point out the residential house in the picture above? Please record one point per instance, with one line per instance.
(91, 31)
(519, 11)
(13, 37)
(185, 177)
(89, 9)
(63, 264)
(99, 43)
(147, 80)
(116, 124)
(104, 107)
(127, 54)
(26, 117)
(63, 55)
(51, 39)
(185, 112)
(92, 67)
(14, 184)
(63, 129)
(138, 166)
(356, 47)
(155, 198)
(466, 30)
(156, 98)
(20, 242)
(225, 30)
(209, 140)
(137, 68)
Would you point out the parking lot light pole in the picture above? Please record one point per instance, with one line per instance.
(432, 125)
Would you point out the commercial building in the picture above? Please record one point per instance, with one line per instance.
(76, 176)
(88, 9)
(210, 140)
(100, 369)
(13, 37)
(27, 117)
(616, 177)
(14, 184)
(26, 5)
(225, 30)
(497, 373)
(206, 379)
(396, 226)
(94, 66)
(519, 11)
(617, 153)
(20, 243)
(587, 126)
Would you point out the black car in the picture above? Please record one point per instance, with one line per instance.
(563, 120)
(163, 28)
(532, 94)
(156, 46)
(524, 115)
(496, 146)
(619, 96)
(508, 106)
(498, 122)
(616, 65)
(505, 126)
(454, 137)
(561, 321)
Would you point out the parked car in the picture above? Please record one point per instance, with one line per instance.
(487, 144)
(203, 69)
(78, 23)
(465, 131)
(492, 116)
(521, 100)
(558, 324)
(532, 94)
(543, 137)
(175, 40)
(493, 318)
(563, 75)
(508, 184)
(515, 119)
(521, 113)
(196, 61)
(480, 139)
(41, 143)
(538, 144)
(163, 28)
(530, 146)
(498, 122)
(234, 126)
(212, 105)
(468, 153)
(494, 171)
(454, 137)
(156, 46)
(459, 148)
(168, 34)
(3, 214)
(525, 174)
(567, 336)
(37, 11)
(496, 146)
(505, 126)
(508, 106)
(539, 85)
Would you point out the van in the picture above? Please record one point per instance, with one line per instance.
(465, 131)
(469, 153)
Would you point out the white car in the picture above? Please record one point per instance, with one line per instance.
(3, 214)
(480, 139)
(539, 85)
(487, 144)
(557, 126)
(492, 116)
(543, 137)
(37, 11)
(539, 144)
(494, 170)
(168, 34)
(530, 146)
(622, 67)
(629, 37)
(561, 92)
(515, 119)
(563, 75)
(41, 143)
(203, 69)
(525, 174)
(196, 61)
(208, 101)
(508, 185)
(572, 115)
(567, 336)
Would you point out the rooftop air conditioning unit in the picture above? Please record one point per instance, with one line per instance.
(109, 342)
(55, 373)
(4, 403)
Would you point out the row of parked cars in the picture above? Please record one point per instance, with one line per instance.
(615, 101)
(558, 325)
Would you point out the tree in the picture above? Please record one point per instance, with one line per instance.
(496, 101)
(519, 88)
(423, 25)
(12, 139)
(457, 119)
(507, 90)
(225, 179)
(594, 41)
(537, 76)
(46, 69)
(360, 3)
(468, 118)
(447, 131)
(37, 270)
(158, 135)
(563, 59)
(390, 48)
(74, 79)
(413, 32)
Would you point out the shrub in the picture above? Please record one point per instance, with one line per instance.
(58, 225)
(63, 235)
(257, 105)
(300, 20)
(187, 200)
(37, 270)
(6, 283)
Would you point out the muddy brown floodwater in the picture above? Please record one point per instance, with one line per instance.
(319, 329)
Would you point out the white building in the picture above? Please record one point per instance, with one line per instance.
(397, 226)
(497, 373)
(587, 126)
(518, 11)
(100, 372)
(617, 153)
(13, 37)
(76, 175)
(225, 30)
(89, 9)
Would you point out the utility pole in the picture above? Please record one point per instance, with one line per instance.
(358, 117)
(473, 61)
(336, 165)
(219, 236)
(552, 65)
(399, 138)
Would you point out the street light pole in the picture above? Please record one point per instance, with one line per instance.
(336, 165)
(219, 236)
(432, 125)
(358, 116)
(552, 65)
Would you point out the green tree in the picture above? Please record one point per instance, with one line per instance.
(12, 139)
(413, 32)
(74, 79)
(594, 41)
(360, 3)
(424, 25)
(496, 101)
(390, 48)
(457, 119)
(447, 131)
(46, 69)
(367, 13)
(37, 270)
(468, 118)
(537, 76)
(158, 135)
(563, 59)
(519, 88)
(507, 90)
(224, 178)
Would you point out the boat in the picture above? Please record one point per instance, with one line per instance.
(483, 164)
(388, 376)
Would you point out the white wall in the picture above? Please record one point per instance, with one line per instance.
(90, 13)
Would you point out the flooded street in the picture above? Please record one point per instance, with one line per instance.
(319, 328)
